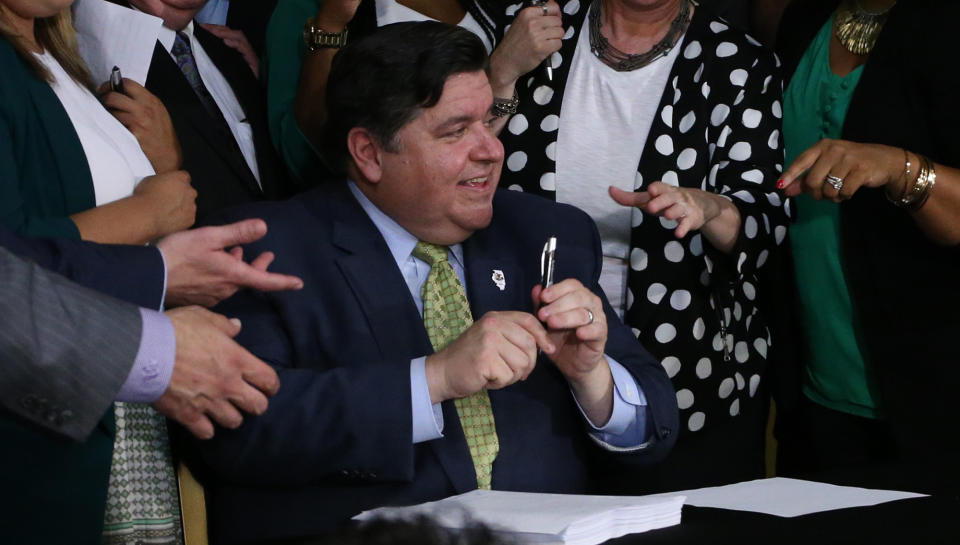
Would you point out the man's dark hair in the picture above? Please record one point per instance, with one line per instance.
(382, 81)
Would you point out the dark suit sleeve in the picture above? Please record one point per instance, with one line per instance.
(330, 420)
(132, 273)
(66, 350)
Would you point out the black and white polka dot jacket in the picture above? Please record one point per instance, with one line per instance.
(718, 129)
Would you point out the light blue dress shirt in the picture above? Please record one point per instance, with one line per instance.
(626, 428)
(214, 12)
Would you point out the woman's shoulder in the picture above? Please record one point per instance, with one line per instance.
(716, 37)
(16, 73)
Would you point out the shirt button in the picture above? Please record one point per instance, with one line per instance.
(828, 108)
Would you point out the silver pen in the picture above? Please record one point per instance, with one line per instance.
(548, 262)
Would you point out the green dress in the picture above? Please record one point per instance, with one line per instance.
(284, 57)
(837, 375)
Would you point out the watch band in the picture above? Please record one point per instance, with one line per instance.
(316, 38)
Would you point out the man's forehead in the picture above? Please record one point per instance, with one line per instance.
(466, 95)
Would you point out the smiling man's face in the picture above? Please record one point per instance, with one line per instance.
(439, 181)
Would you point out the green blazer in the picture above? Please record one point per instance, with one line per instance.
(52, 489)
(44, 175)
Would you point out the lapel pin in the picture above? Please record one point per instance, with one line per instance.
(499, 279)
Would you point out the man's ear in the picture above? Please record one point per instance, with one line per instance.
(366, 152)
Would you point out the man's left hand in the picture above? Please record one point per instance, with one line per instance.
(577, 327)
(200, 271)
(237, 40)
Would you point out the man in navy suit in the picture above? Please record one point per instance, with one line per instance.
(367, 415)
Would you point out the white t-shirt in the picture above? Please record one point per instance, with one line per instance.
(603, 126)
(391, 11)
(117, 163)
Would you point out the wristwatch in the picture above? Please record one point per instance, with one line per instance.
(317, 38)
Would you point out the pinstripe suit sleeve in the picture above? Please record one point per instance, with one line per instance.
(65, 350)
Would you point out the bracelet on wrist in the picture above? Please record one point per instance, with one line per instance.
(504, 107)
(915, 195)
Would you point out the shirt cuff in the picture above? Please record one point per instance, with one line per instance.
(153, 366)
(163, 294)
(628, 421)
(427, 417)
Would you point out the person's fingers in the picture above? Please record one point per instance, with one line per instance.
(229, 327)
(103, 89)
(685, 225)
(251, 277)
(659, 188)
(516, 359)
(119, 102)
(237, 252)
(676, 211)
(533, 327)
(574, 318)
(196, 423)
(225, 414)
(793, 190)
(135, 91)
(263, 261)
(522, 340)
(248, 399)
(629, 198)
(241, 232)
(856, 178)
(256, 373)
(815, 180)
(560, 289)
(660, 203)
(803, 161)
(128, 120)
(828, 191)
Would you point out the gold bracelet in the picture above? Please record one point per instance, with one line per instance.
(923, 192)
(905, 177)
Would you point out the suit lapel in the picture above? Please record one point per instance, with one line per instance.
(252, 100)
(168, 83)
(488, 268)
(395, 324)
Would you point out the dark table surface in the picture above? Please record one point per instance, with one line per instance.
(932, 520)
(929, 520)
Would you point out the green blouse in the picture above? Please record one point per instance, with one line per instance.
(284, 57)
(815, 107)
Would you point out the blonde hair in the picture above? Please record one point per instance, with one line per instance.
(56, 35)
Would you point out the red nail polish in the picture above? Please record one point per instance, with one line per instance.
(780, 183)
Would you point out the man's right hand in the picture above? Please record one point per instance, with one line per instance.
(214, 378)
(497, 350)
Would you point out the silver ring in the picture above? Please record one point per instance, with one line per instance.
(834, 181)
(545, 10)
(589, 315)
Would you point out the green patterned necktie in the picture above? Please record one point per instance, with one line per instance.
(446, 314)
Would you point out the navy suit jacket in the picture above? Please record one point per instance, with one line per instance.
(132, 273)
(337, 438)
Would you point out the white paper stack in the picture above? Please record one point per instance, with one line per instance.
(546, 518)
